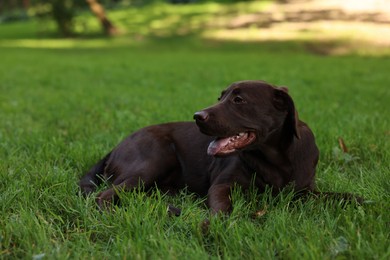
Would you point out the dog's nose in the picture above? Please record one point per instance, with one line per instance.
(201, 116)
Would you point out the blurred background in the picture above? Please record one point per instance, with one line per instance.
(335, 26)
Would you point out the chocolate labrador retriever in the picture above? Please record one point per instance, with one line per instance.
(252, 135)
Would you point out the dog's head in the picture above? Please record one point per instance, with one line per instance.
(248, 113)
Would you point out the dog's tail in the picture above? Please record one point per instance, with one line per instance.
(345, 198)
(336, 196)
(93, 177)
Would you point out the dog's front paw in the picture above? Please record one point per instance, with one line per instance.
(106, 199)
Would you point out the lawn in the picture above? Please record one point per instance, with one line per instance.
(62, 108)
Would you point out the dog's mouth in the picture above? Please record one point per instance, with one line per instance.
(226, 145)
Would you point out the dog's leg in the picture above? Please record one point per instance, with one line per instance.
(159, 169)
(109, 196)
(218, 198)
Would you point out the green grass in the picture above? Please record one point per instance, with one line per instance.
(63, 108)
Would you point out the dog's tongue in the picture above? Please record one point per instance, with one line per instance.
(218, 146)
(222, 146)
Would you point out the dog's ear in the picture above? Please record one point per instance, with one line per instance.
(283, 88)
(284, 102)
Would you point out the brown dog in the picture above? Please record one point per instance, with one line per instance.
(252, 134)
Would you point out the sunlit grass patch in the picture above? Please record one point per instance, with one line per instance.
(68, 43)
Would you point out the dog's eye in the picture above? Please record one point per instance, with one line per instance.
(238, 100)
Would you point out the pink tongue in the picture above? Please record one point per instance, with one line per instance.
(217, 146)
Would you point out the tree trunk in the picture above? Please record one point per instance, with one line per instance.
(63, 14)
(98, 10)
(26, 4)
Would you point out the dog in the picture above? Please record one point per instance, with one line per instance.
(252, 136)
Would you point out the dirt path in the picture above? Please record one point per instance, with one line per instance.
(351, 6)
(377, 11)
(336, 26)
